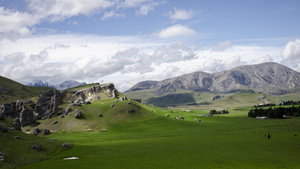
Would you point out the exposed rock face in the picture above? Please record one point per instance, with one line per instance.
(8, 111)
(78, 114)
(48, 102)
(17, 124)
(269, 77)
(26, 117)
(26, 112)
(85, 96)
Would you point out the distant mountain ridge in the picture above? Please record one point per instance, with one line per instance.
(61, 86)
(270, 77)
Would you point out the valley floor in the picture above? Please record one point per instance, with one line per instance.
(156, 141)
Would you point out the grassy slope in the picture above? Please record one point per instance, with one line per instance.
(150, 140)
(19, 91)
(19, 151)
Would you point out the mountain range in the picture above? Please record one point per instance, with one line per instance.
(270, 77)
(61, 86)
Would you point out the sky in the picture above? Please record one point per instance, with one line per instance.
(128, 41)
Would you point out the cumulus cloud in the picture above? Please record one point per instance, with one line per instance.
(173, 53)
(169, 72)
(232, 62)
(211, 65)
(175, 30)
(264, 59)
(60, 10)
(14, 58)
(180, 14)
(15, 24)
(90, 58)
(291, 52)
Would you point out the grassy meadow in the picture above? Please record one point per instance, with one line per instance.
(148, 139)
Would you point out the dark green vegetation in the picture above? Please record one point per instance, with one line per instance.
(278, 112)
(11, 91)
(18, 150)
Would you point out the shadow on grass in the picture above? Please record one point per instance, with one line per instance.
(172, 100)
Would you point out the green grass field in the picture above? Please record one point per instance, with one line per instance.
(148, 139)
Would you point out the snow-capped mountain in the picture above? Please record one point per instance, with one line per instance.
(61, 86)
(40, 83)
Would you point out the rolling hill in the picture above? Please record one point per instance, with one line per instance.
(11, 91)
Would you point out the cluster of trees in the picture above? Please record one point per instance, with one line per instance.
(275, 113)
(219, 112)
(265, 105)
(290, 102)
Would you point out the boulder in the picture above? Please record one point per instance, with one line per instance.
(8, 111)
(55, 122)
(68, 110)
(167, 115)
(36, 131)
(123, 98)
(26, 117)
(36, 146)
(48, 103)
(46, 131)
(100, 115)
(2, 157)
(65, 145)
(113, 105)
(78, 114)
(17, 124)
(17, 137)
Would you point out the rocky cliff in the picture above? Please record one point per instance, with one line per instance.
(26, 112)
(268, 77)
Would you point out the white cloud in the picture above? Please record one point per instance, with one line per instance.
(291, 52)
(133, 3)
(112, 14)
(232, 62)
(221, 46)
(62, 9)
(180, 14)
(146, 8)
(175, 30)
(173, 53)
(264, 59)
(291, 55)
(15, 24)
(124, 60)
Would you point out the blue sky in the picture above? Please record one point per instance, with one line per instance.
(127, 41)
